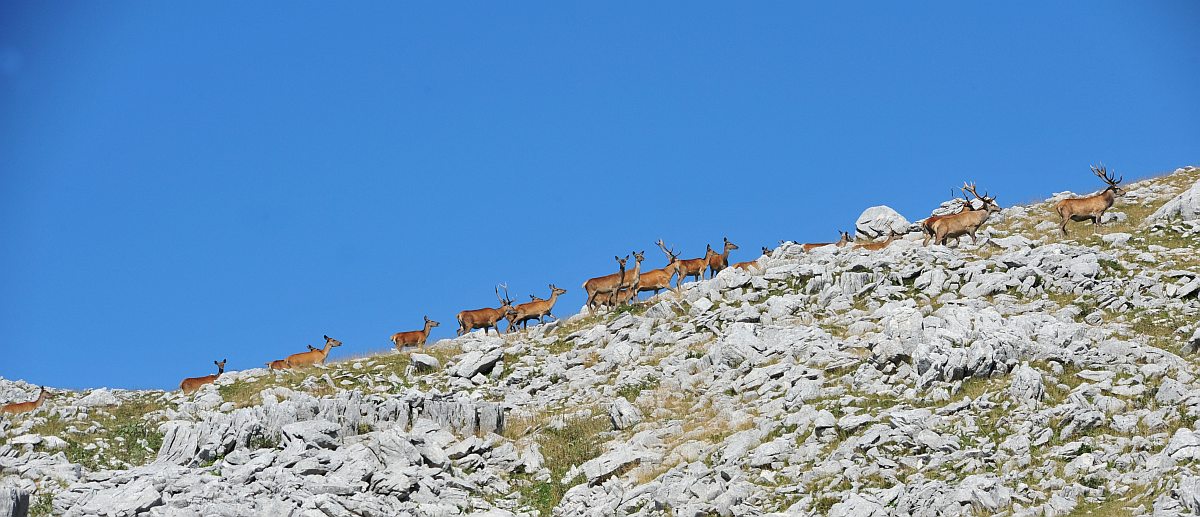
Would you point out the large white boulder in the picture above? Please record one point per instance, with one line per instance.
(880, 221)
(1185, 206)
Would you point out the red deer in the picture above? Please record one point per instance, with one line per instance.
(536, 298)
(485, 318)
(194, 383)
(25, 407)
(313, 356)
(876, 246)
(844, 240)
(717, 262)
(965, 223)
(279, 364)
(632, 280)
(927, 224)
(753, 264)
(1093, 206)
(534, 310)
(604, 285)
(414, 337)
(695, 267)
(659, 279)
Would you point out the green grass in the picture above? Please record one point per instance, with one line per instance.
(630, 392)
(129, 430)
(42, 504)
(578, 441)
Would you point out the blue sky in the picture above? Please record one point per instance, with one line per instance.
(187, 182)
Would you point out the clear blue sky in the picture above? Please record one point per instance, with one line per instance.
(187, 182)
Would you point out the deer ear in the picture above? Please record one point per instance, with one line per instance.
(326, 337)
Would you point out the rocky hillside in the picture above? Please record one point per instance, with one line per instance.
(1028, 375)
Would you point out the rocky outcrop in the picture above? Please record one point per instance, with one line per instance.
(880, 221)
(1185, 206)
(1026, 376)
(14, 502)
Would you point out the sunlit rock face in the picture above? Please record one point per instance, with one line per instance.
(1026, 375)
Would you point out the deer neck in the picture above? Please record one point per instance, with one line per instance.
(725, 254)
(428, 326)
(553, 298)
(325, 351)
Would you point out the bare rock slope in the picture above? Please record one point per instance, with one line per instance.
(1028, 375)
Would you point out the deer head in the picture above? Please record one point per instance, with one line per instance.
(989, 203)
(671, 254)
(506, 306)
(1102, 173)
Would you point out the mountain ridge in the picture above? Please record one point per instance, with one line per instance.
(1030, 374)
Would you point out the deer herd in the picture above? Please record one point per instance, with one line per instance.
(621, 288)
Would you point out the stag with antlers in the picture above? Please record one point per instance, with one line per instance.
(1093, 206)
(659, 279)
(537, 309)
(964, 223)
(927, 224)
(485, 318)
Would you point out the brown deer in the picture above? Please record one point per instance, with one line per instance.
(16, 408)
(312, 356)
(534, 310)
(964, 223)
(536, 298)
(485, 318)
(753, 264)
(1093, 206)
(191, 384)
(695, 267)
(927, 224)
(632, 280)
(717, 262)
(414, 337)
(842, 241)
(604, 285)
(659, 279)
(876, 246)
(281, 364)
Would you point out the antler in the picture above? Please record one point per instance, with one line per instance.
(969, 187)
(662, 246)
(1102, 173)
(506, 299)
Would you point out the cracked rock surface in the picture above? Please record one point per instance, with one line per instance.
(1027, 375)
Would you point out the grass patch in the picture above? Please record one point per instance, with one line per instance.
(42, 505)
(1112, 507)
(630, 392)
(124, 435)
(575, 442)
